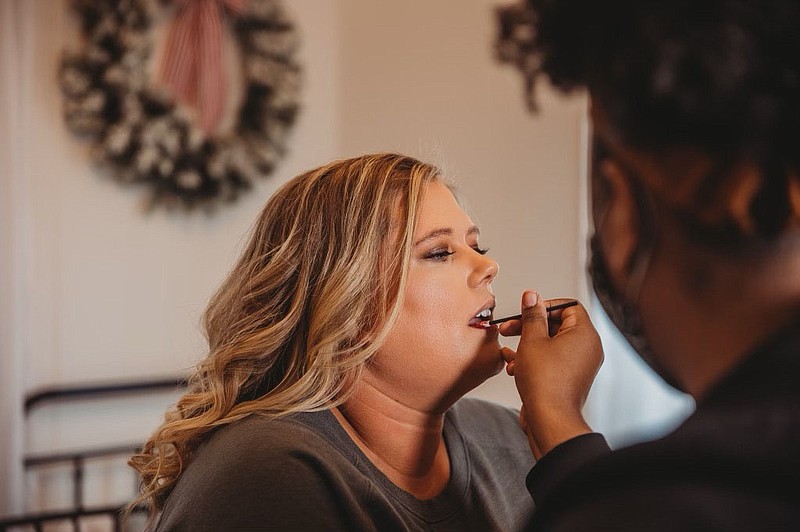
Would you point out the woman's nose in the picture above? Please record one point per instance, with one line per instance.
(485, 271)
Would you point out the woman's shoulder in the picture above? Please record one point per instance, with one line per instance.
(258, 469)
(289, 448)
(264, 443)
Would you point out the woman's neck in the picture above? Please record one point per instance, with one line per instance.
(406, 444)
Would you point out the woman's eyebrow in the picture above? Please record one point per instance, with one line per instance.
(445, 231)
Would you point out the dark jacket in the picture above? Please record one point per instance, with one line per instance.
(733, 465)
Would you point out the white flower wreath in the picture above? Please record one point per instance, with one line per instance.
(146, 137)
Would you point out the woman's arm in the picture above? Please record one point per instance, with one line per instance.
(554, 366)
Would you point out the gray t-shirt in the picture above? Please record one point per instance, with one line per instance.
(305, 473)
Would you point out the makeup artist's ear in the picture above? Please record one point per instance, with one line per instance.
(619, 232)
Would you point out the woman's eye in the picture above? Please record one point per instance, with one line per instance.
(480, 250)
(438, 254)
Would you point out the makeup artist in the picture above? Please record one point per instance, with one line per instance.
(695, 109)
(340, 347)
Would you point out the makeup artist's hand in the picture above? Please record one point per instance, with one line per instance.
(554, 367)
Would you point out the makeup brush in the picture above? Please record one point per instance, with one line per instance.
(519, 316)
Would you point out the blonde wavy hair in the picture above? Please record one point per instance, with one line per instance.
(311, 299)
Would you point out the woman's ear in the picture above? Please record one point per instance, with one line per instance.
(620, 231)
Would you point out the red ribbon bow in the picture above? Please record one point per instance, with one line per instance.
(192, 68)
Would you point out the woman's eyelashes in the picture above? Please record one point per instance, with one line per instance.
(439, 254)
(442, 254)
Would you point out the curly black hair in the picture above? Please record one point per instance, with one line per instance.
(719, 75)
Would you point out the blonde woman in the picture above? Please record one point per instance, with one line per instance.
(340, 347)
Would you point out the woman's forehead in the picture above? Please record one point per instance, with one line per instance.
(439, 207)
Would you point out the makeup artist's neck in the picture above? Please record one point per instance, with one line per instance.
(406, 444)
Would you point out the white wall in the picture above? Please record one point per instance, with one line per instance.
(113, 291)
(11, 293)
(93, 290)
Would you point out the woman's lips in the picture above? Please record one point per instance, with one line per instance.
(481, 323)
(483, 315)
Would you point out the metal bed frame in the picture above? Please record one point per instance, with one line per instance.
(78, 460)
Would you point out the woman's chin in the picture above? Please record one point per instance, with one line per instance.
(489, 358)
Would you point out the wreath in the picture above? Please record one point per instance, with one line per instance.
(148, 135)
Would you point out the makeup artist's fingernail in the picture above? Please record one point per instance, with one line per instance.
(529, 298)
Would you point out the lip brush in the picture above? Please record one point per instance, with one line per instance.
(519, 316)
